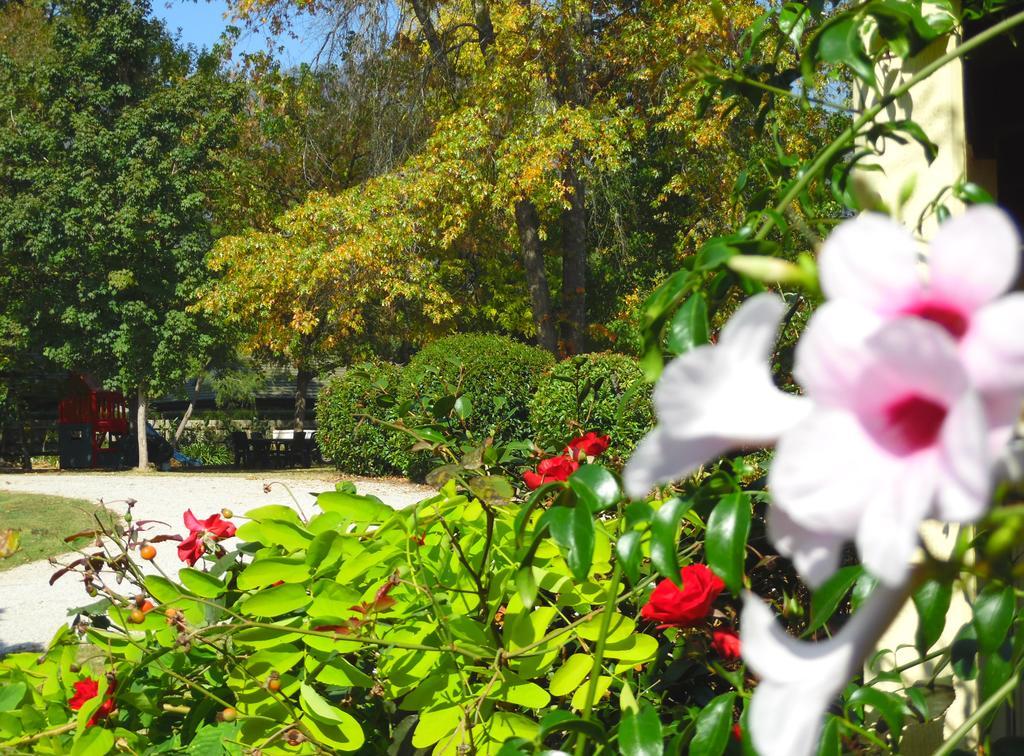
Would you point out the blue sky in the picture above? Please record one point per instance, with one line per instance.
(201, 24)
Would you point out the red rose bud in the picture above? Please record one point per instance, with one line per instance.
(686, 606)
(551, 469)
(588, 445)
(726, 644)
(737, 733)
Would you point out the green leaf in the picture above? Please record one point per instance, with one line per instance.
(560, 720)
(435, 724)
(96, 741)
(581, 543)
(273, 602)
(628, 550)
(526, 584)
(888, 705)
(355, 508)
(995, 669)
(162, 589)
(970, 193)
(266, 571)
(726, 539)
(573, 530)
(689, 327)
(793, 19)
(993, 614)
(713, 727)
(827, 598)
(932, 603)
(201, 583)
(714, 252)
(839, 41)
(491, 489)
(829, 745)
(656, 307)
(569, 678)
(11, 695)
(572, 672)
(317, 707)
(640, 732)
(664, 541)
(595, 486)
(964, 653)
(463, 407)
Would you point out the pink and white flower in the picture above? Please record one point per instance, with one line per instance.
(871, 267)
(909, 382)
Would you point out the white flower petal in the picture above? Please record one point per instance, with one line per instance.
(1004, 412)
(871, 260)
(830, 356)
(825, 472)
(726, 390)
(815, 554)
(661, 458)
(888, 534)
(753, 329)
(993, 347)
(974, 257)
(916, 357)
(799, 681)
(966, 484)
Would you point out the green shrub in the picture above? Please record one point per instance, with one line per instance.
(496, 375)
(208, 453)
(351, 441)
(603, 392)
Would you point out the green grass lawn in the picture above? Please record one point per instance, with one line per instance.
(44, 522)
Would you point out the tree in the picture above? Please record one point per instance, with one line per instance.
(555, 106)
(104, 180)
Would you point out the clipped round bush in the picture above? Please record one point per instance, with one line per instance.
(603, 392)
(352, 442)
(495, 374)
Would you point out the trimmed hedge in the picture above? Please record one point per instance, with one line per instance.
(497, 375)
(586, 393)
(355, 444)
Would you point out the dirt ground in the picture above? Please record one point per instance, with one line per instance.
(31, 610)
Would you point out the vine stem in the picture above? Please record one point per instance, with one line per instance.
(871, 113)
(40, 735)
(980, 713)
(595, 674)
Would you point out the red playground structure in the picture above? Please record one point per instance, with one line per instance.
(93, 425)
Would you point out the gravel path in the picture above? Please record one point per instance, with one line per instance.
(31, 610)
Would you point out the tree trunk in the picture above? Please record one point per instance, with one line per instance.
(140, 428)
(302, 381)
(422, 12)
(188, 413)
(484, 27)
(528, 225)
(574, 267)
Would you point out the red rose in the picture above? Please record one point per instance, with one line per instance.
(588, 445)
(213, 528)
(726, 644)
(686, 606)
(86, 690)
(554, 468)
